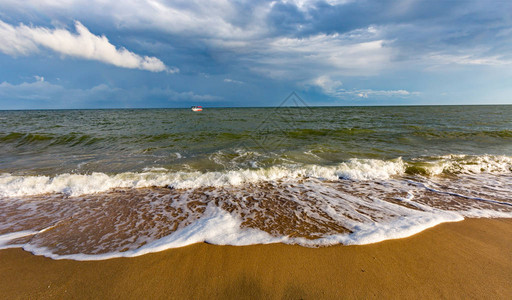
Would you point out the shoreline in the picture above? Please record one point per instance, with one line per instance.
(467, 259)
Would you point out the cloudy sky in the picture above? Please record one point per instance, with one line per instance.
(162, 53)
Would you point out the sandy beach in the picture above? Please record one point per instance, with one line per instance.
(285, 149)
(468, 259)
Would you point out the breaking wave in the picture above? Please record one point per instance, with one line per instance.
(353, 169)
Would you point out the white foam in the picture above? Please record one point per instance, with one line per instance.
(5, 239)
(427, 187)
(215, 227)
(221, 228)
(78, 184)
(377, 232)
(353, 169)
(468, 164)
(369, 169)
(401, 228)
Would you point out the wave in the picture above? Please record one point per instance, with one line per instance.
(80, 184)
(429, 133)
(19, 139)
(71, 139)
(459, 164)
(308, 133)
(353, 169)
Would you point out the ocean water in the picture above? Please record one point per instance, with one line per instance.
(96, 184)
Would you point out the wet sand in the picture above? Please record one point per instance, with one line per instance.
(468, 259)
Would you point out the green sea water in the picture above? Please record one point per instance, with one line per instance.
(50, 142)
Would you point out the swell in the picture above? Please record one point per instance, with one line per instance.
(429, 133)
(19, 139)
(144, 142)
(74, 139)
(308, 133)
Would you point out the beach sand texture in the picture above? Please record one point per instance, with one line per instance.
(468, 259)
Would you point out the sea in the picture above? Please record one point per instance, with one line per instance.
(98, 184)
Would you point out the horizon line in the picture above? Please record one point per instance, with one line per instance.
(284, 106)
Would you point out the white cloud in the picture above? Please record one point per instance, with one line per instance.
(13, 42)
(328, 85)
(214, 18)
(334, 51)
(468, 59)
(369, 93)
(173, 95)
(23, 40)
(366, 93)
(233, 81)
(333, 88)
(242, 26)
(241, 31)
(305, 58)
(306, 4)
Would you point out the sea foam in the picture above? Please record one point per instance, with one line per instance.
(353, 169)
(219, 227)
(81, 184)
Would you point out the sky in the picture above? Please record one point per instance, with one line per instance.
(161, 53)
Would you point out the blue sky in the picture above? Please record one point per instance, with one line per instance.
(157, 53)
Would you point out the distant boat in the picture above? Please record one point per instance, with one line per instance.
(197, 108)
